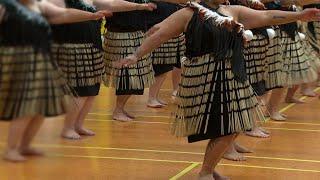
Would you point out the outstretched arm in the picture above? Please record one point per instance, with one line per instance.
(254, 19)
(121, 5)
(59, 15)
(171, 27)
(292, 2)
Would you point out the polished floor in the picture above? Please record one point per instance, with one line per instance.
(144, 149)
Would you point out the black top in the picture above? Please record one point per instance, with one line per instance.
(23, 27)
(204, 37)
(291, 28)
(82, 32)
(140, 20)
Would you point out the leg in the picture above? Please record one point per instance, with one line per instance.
(176, 76)
(290, 95)
(82, 115)
(307, 90)
(69, 131)
(119, 112)
(273, 105)
(214, 152)
(154, 90)
(16, 130)
(29, 134)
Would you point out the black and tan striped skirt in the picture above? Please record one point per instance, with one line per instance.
(297, 64)
(255, 54)
(211, 103)
(82, 64)
(314, 38)
(118, 45)
(170, 52)
(30, 84)
(275, 75)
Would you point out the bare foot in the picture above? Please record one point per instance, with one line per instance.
(294, 100)
(264, 130)
(85, 132)
(308, 92)
(31, 152)
(120, 116)
(241, 149)
(256, 132)
(129, 115)
(70, 134)
(277, 116)
(154, 104)
(14, 156)
(162, 102)
(233, 155)
(218, 176)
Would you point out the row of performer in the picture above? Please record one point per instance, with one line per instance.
(230, 63)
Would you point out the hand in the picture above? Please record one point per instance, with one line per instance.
(312, 14)
(233, 25)
(257, 5)
(147, 7)
(106, 13)
(127, 61)
(100, 14)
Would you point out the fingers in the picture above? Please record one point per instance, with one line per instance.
(151, 6)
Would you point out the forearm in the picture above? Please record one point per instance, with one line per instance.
(152, 43)
(117, 5)
(175, 1)
(71, 16)
(275, 17)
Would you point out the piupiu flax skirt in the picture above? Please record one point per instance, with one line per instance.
(211, 103)
(312, 54)
(297, 65)
(82, 65)
(30, 84)
(255, 54)
(314, 38)
(128, 80)
(168, 55)
(275, 75)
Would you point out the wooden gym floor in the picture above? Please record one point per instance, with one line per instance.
(144, 149)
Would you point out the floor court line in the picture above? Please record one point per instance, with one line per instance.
(174, 161)
(168, 123)
(184, 171)
(169, 152)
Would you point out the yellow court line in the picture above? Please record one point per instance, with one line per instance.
(159, 122)
(185, 171)
(172, 161)
(296, 123)
(294, 129)
(120, 158)
(167, 123)
(164, 151)
(270, 167)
